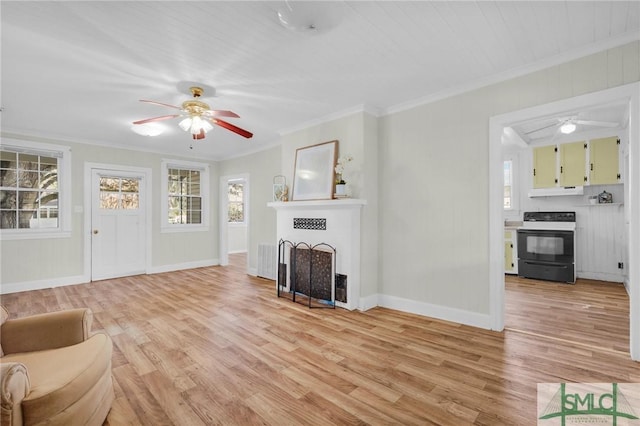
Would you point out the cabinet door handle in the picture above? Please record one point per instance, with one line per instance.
(591, 166)
(560, 169)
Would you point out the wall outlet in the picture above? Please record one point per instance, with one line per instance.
(620, 265)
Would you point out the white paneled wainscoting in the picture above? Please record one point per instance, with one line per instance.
(601, 242)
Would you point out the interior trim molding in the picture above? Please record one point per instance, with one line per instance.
(369, 109)
(42, 284)
(183, 266)
(474, 319)
(559, 59)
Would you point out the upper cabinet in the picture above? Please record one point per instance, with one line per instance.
(604, 161)
(575, 164)
(544, 167)
(573, 157)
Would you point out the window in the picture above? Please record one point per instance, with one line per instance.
(33, 187)
(185, 200)
(236, 201)
(186, 195)
(508, 185)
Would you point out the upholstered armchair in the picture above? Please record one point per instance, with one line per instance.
(53, 371)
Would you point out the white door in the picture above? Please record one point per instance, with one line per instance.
(117, 224)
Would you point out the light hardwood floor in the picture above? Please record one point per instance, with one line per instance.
(214, 346)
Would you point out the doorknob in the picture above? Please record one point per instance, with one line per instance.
(95, 232)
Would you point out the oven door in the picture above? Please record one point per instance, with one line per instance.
(544, 245)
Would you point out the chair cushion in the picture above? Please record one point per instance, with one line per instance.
(60, 377)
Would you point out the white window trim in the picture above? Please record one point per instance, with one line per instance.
(64, 194)
(165, 226)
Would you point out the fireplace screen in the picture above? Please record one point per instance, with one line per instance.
(307, 273)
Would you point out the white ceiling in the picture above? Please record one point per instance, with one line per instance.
(77, 70)
(588, 120)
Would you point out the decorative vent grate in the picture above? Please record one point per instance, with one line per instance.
(267, 260)
(309, 223)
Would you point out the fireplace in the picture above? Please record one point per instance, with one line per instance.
(307, 273)
(334, 223)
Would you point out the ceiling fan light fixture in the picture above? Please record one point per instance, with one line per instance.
(196, 126)
(568, 128)
(185, 124)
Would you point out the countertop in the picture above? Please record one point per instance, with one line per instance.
(512, 225)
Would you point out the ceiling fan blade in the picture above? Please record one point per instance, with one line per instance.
(149, 120)
(541, 128)
(233, 128)
(220, 113)
(161, 104)
(597, 123)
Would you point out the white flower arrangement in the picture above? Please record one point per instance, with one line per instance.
(340, 167)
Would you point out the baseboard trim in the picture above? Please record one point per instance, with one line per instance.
(459, 316)
(42, 284)
(185, 265)
(369, 302)
(81, 279)
(601, 276)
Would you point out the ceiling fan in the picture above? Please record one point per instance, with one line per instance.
(568, 125)
(198, 116)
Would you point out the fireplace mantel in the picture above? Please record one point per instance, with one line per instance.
(339, 227)
(340, 203)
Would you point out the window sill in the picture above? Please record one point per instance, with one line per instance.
(33, 235)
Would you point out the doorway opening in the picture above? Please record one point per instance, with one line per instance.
(499, 125)
(234, 217)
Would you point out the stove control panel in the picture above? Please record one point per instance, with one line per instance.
(549, 217)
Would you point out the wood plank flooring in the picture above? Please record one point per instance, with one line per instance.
(213, 346)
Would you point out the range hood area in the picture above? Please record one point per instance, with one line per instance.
(556, 192)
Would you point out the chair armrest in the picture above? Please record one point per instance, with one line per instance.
(46, 331)
(14, 386)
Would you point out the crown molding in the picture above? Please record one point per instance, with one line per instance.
(558, 59)
(369, 109)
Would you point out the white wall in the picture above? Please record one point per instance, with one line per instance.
(434, 183)
(260, 168)
(35, 263)
(237, 238)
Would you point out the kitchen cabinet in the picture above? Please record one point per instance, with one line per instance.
(544, 167)
(573, 158)
(510, 251)
(604, 167)
(567, 166)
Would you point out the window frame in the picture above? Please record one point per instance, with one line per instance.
(63, 154)
(513, 159)
(203, 168)
(244, 202)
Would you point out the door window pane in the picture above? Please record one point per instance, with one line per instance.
(117, 193)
